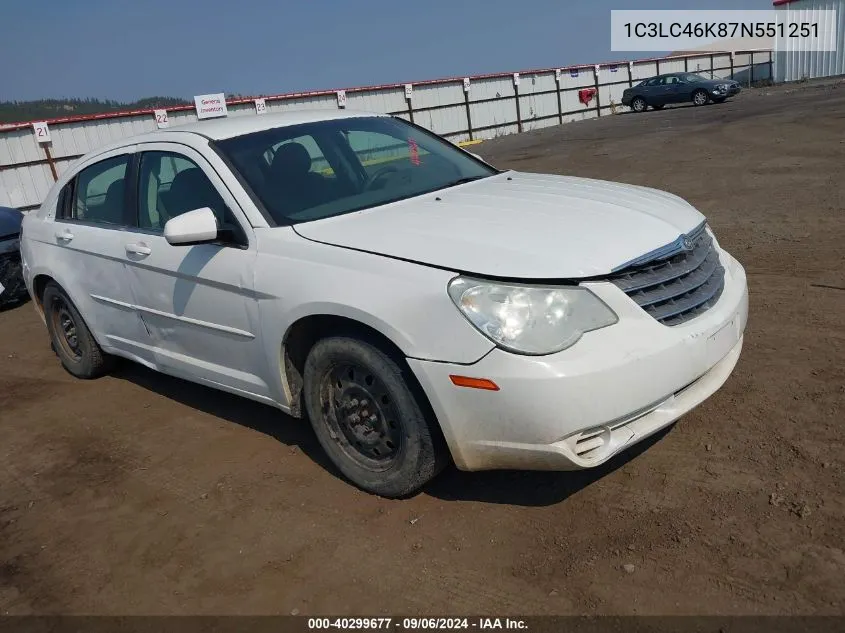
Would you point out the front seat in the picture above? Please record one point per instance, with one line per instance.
(191, 190)
(293, 185)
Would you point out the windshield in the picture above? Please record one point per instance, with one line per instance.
(312, 171)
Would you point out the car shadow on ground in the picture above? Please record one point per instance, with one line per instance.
(239, 410)
(520, 488)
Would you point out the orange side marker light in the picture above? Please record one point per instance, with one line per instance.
(474, 383)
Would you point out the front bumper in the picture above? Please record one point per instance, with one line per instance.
(577, 408)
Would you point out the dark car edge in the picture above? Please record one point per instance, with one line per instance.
(662, 90)
(12, 286)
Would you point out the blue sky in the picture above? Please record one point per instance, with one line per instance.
(127, 49)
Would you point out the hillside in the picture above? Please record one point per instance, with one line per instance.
(16, 111)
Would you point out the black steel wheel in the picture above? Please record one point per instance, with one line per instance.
(72, 341)
(358, 408)
(370, 418)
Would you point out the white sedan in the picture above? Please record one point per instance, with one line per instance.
(417, 304)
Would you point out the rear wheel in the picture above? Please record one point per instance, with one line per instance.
(700, 97)
(639, 104)
(71, 339)
(368, 420)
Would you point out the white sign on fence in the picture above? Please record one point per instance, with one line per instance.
(260, 106)
(42, 132)
(211, 105)
(466, 84)
(161, 118)
(557, 75)
(516, 79)
(341, 98)
(409, 90)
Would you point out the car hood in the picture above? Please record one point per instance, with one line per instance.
(517, 225)
(10, 222)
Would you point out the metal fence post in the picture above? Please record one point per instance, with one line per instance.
(598, 93)
(50, 162)
(751, 74)
(559, 100)
(408, 93)
(732, 66)
(466, 104)
(516, 96)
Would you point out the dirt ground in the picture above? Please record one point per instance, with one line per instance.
(139, 493)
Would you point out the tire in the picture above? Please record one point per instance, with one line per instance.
(638, 104)
(70, 337)
(368, 420)
(700, 97)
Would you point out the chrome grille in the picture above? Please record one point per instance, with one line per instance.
(676, 288)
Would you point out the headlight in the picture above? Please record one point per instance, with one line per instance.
(532, 320)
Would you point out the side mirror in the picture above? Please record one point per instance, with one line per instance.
(193, 227)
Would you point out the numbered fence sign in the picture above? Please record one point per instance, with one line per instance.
(557, 75)
(260, 106)
(516, 79)
(466, 84)
(161, 118)
(341, 98)
(409, 90)
(42, 132)
(573, 72)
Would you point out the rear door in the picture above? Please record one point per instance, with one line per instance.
(89, 231)
(197, 301)
(652, 91)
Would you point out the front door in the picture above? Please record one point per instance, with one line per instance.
(198, 302)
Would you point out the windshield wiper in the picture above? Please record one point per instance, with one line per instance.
(460, 181)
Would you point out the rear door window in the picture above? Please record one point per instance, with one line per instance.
(100, 193)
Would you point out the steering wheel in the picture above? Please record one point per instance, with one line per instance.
(378, 175)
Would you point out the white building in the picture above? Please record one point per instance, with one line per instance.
(792, 59)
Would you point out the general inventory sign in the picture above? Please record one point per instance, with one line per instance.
(211, 106)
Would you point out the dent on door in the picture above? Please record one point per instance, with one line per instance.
(199, 305)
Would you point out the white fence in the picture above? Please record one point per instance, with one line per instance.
(461, 109)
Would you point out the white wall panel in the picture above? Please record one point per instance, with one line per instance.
(439, 106)
(793, 61)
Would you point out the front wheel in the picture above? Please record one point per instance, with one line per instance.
(700, 97)
(368, 420)
(639, 105)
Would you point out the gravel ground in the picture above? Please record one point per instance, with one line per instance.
(139, 493)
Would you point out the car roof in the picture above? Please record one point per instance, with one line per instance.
(227, 127)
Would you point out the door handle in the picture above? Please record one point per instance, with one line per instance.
(64, 236)
(138, 249)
